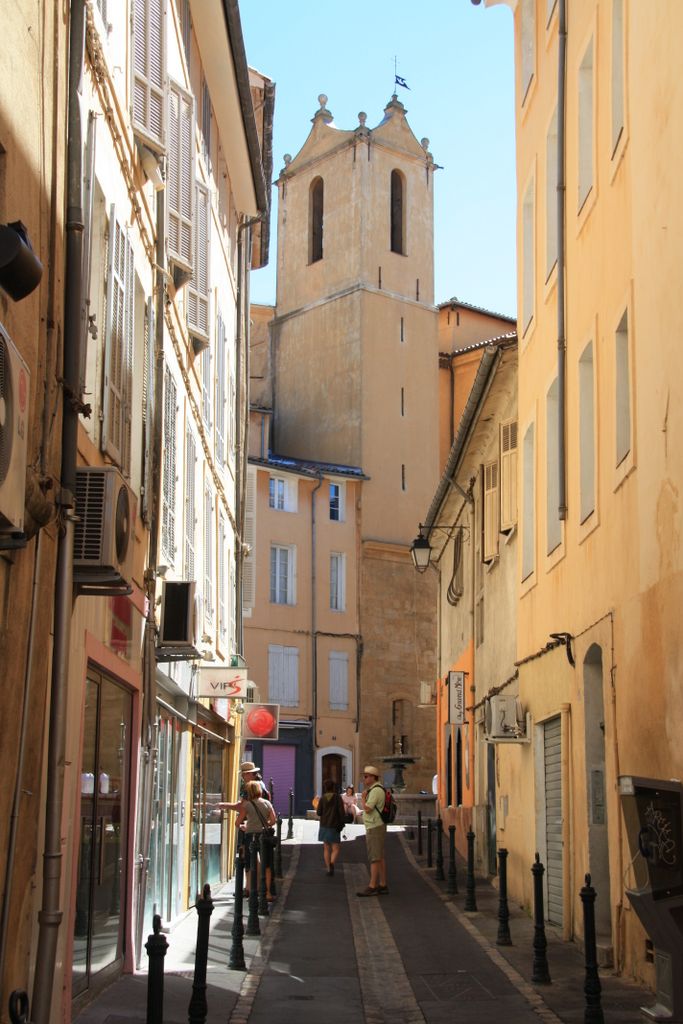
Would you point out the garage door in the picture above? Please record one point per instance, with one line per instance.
(278, 762)
(552, 747)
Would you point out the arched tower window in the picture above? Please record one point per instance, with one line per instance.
(398, 203)
(315, 221)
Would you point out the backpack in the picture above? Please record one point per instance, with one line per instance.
(388, 811)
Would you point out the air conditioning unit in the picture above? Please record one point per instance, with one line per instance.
(103, 539)
(504, 718)
(14, 390)
(253, 694)
(180, 618)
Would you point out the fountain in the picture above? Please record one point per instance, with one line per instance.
(408, 803)
(398, 762)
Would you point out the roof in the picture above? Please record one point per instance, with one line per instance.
(453, 302)
(307, 467)
(497, 339)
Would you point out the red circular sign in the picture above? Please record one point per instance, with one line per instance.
(260, 721)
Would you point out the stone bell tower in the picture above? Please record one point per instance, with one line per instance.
(355, 361)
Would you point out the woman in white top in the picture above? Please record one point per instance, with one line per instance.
(255, 814)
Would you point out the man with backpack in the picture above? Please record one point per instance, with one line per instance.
(373, 799)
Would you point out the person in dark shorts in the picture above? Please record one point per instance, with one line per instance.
(331, 812)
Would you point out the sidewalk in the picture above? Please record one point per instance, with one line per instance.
(411, 957)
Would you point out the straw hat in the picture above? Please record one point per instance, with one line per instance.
(370, 770)
(249, 766)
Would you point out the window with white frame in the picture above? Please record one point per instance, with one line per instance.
(508, 474)
(529, 520)
(623, 390)
(587, 433)
(190, 504)
(617, 72)
(209, 567)
(180, 179)
(337, 502)
(490, 510)
(149, 71)
(249, 562)
(339, 680)
(118, 345)
(552, 469)
(168, 494)
(337, 581)
(206, 124)
(282, 494)
(551, 196)
(220, 410)
(197, 303)
(224, 594)
(586, 124)
(207, 384)
(528, 262)
(283, 675)
(527, 43)
(282, 574)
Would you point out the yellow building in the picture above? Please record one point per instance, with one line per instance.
(599, 571)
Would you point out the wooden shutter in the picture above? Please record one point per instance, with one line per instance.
(490, 510)
(508, 474)
(222, 580)
(118, 355)
(190, 505)
(197, 308)
(208, 555)
(275, 662)
(169, 468)
(248, 564)
(180, 191)
(290, 674)
(552, 756)
(148, 411)
(149, 71)
(339, 681)
(220, 390)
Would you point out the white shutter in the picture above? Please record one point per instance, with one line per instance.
(339, 681)
(197, 308)
(149, 71)
(190, 505)
(206, 386)
(180, 177)
(222, 579)
(290, 681)
(169, 469)
(508, 474)
(248, 564)
(118, 357)
(274, 673)
(220, 390)
(490, 510)
(208, 555)
(148, 411)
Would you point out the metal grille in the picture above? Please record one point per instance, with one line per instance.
(90, 490)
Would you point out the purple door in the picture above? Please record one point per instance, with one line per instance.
(278, 764)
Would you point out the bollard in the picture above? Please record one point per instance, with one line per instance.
(592, 988)
(236, 959)
(198, 1009)
(270, 864)
(259, 845)
(430, 829)
(540, 974)
(253, 926)
(290, 823)
(470, 897)
(419, 833)
(18, 1007)
(503, 938)
(278, 849)
(156, 947)
(452, 884)
(439, 875)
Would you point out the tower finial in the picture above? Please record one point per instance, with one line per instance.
(323, 113)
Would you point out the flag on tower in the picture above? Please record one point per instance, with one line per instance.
(401, 81)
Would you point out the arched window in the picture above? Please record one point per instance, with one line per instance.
(397, 213)
(315, 220)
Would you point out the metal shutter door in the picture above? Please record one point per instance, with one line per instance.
(278, 764)
(552, 747)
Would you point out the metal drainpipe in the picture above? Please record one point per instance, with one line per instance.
(452, 397)
(314, 618)
(50, 915)
(561, 255)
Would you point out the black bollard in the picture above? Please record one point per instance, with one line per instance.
(430, 829)
(236, 959)
(290, 823)
(439, 875)
(592, 988)
(156, 947)
(278, 849)
(452, 884)
(198, 1008)
(470, 894)
(503, 938)
(270, 863)
(253, 926)
(18, 1007)
(259, 846)
(540, 974)
(419, 833)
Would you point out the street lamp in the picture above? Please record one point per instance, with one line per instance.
(421, 552)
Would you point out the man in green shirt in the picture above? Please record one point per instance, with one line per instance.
(372, 802)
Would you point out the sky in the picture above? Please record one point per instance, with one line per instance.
(458, 61)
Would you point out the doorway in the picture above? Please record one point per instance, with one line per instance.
(554, 867)
(99, 924)
(206, 833)
(598, 851)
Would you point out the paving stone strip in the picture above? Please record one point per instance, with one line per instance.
(537, 1003)
(385, 989)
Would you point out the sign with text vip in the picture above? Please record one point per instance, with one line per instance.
(456, 698)
(222, 682)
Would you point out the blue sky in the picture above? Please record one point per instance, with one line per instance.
(458, 61)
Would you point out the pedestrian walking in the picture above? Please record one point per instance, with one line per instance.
(332, 816)
(256, 815)
(372, 802)
(249, 772)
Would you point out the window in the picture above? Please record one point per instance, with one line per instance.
(623, 390)
(206, 124)
(169, 468)
(315, 217)
(552, 461)
(490, 511)
(529, 522)
(186, 30)
(197, 304)
(282, 574)
(190, 505)
(282, 494)
(337, 502)
(148, 412)
(508, 474)
(551, 213)
(587, 432)
(118, 356)
(225, 595)
(339, 681)
(528, 44)
(206, 386)
(586, 124)
(180, 191)
(248, 564)
(397, 213)
(528, 268)
(403, 476)
(221, 352)
(617, 72)
(337, 581)
(208, 554)
(283, 675)
(149, 71)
